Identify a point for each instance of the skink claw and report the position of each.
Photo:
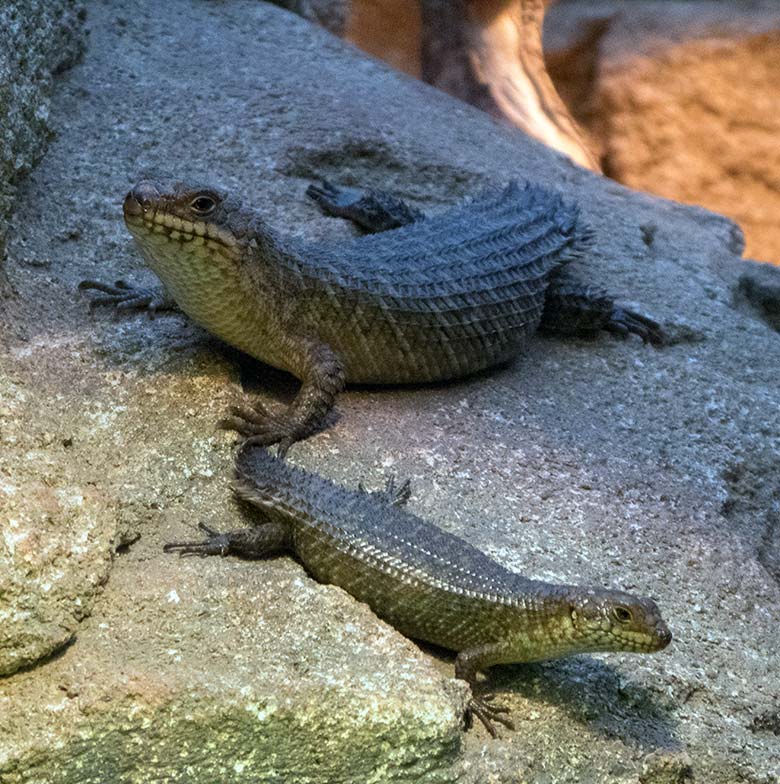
(394, 494)
(126, 297)
(215, 544)
(624, 322)
(488, 713)
(262, 426)
(397, 494)
(337, 201)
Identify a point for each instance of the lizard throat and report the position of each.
(200, 264)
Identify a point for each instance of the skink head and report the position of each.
(181, 225)
(163, 206)
(605, 620)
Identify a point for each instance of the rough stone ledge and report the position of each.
(38, 38)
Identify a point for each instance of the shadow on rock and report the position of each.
(595, 694)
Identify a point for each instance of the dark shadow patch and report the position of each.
(126, 541)
(758, 292)
(48, 658)
(769, 548)
(753, 506)
(256, 377)
(375, 164)
(769, 721)
(591, 692)
(486, 374)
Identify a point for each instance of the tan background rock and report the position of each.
(682, 99)
(387, 29)
(684, 103)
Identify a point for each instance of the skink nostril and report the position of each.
(146, 192)
(141, 197)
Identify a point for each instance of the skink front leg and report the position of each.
(467, 664)
(322, 376)
(125, 296)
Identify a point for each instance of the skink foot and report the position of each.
(123, 296)
(488, 713)
(373, 211)
(262, 426)
(215, 544)
(624, 322)
(394, 494)
(398, 494)
(333, 200)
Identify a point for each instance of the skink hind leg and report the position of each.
(372, 210)
(624, 322)
(575, 308)
(123, 296)
(323, 378)
(397, 494)
(393, 493)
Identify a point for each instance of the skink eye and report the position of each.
(622, 615)
(203, 204)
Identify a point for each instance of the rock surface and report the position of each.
(38, 38)
(759, 286)
(683, 102)
(44, 525)
(585, 461)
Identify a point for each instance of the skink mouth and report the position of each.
(141, 199)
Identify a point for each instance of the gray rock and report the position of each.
(38, 38)
(44, 522)
(586, 461)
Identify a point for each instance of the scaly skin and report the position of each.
(427, 583)
(436, 299)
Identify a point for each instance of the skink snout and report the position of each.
(141, 198)
(663, 635)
